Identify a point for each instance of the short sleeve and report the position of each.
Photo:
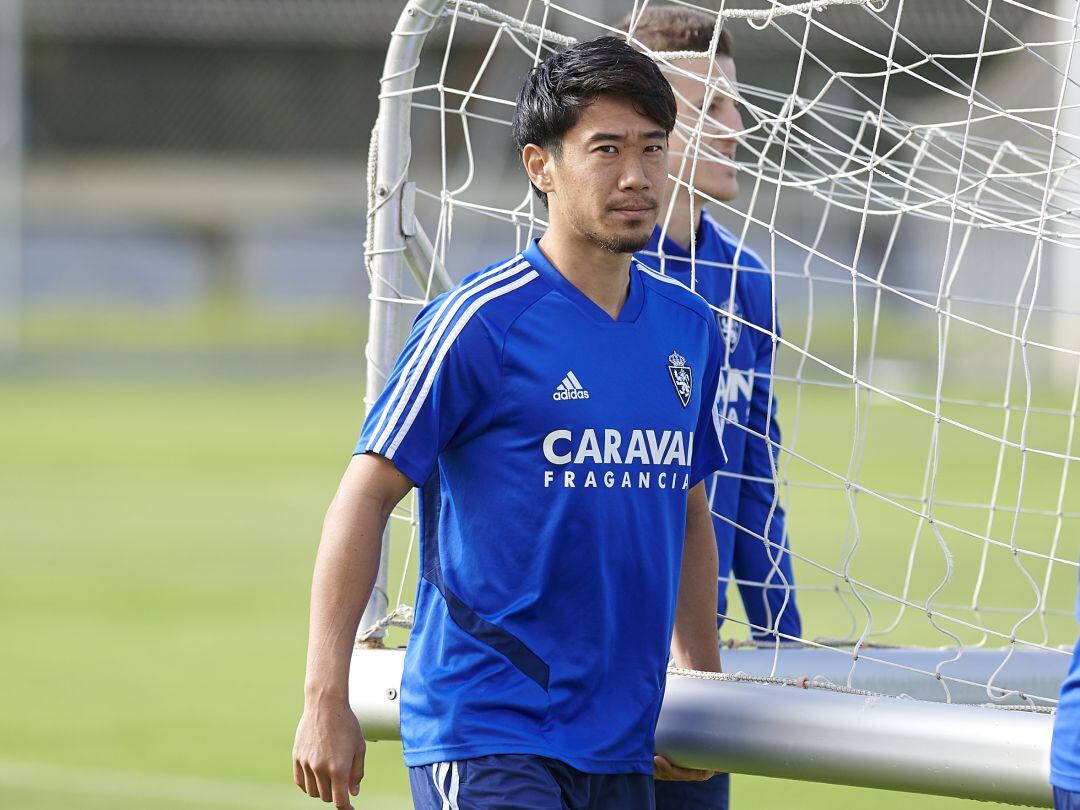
(442, 391)
(708, 455)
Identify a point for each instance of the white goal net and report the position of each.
(908, 176)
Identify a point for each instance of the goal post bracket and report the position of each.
(388, 241)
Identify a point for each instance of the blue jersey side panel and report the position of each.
(734, 280)
(554, 448)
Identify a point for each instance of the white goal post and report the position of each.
(917, 210)
(802, 731)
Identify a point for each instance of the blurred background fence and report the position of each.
(188, 177)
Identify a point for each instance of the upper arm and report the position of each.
(373, 480)
(699, 525)
(697, 503)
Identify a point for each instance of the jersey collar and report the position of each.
(630, 310)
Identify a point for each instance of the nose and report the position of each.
(633, 176)
(728, 122)
(735, 122)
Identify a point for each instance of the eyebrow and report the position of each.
(652, 134)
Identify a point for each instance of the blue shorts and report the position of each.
(711, 794)
(525, 782)
(1066, 799)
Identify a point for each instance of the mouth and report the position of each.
(634, 209)
(634, 215)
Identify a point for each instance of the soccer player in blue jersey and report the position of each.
(733, 279)
(558, 412)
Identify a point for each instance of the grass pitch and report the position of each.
(158, 543)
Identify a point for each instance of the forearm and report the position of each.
(346, 566)
(694, 643)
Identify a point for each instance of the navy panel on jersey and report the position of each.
(734, 280)
(554, 447)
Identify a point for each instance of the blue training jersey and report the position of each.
(734, 280)
(554, 448)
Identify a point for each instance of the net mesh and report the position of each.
(908, 177)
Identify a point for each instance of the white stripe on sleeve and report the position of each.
(431, 341)
(403, 431)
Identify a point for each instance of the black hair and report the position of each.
(559, 88)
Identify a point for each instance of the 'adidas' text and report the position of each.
(570, 388)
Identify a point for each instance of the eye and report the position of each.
(654, 148)
(608, 149)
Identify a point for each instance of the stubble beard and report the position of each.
(616, 243)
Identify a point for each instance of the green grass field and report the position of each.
(158, 543)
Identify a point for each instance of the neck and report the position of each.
(682, 213)
(603, 277)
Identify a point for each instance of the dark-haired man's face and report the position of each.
(607, 180)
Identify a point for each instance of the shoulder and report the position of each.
(484, 303)
(731, 244)
(755, 278)
(675, 291)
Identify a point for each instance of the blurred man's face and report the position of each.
(608, 177)
(714, 173)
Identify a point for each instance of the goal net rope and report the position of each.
(908, 177)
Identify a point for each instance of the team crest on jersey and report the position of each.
(730, 328)
(682, 377)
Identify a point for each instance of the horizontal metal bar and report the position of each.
(842, 738)
(808, 734)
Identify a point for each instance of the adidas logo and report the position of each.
(570, 388)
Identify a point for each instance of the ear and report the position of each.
(538, 163)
